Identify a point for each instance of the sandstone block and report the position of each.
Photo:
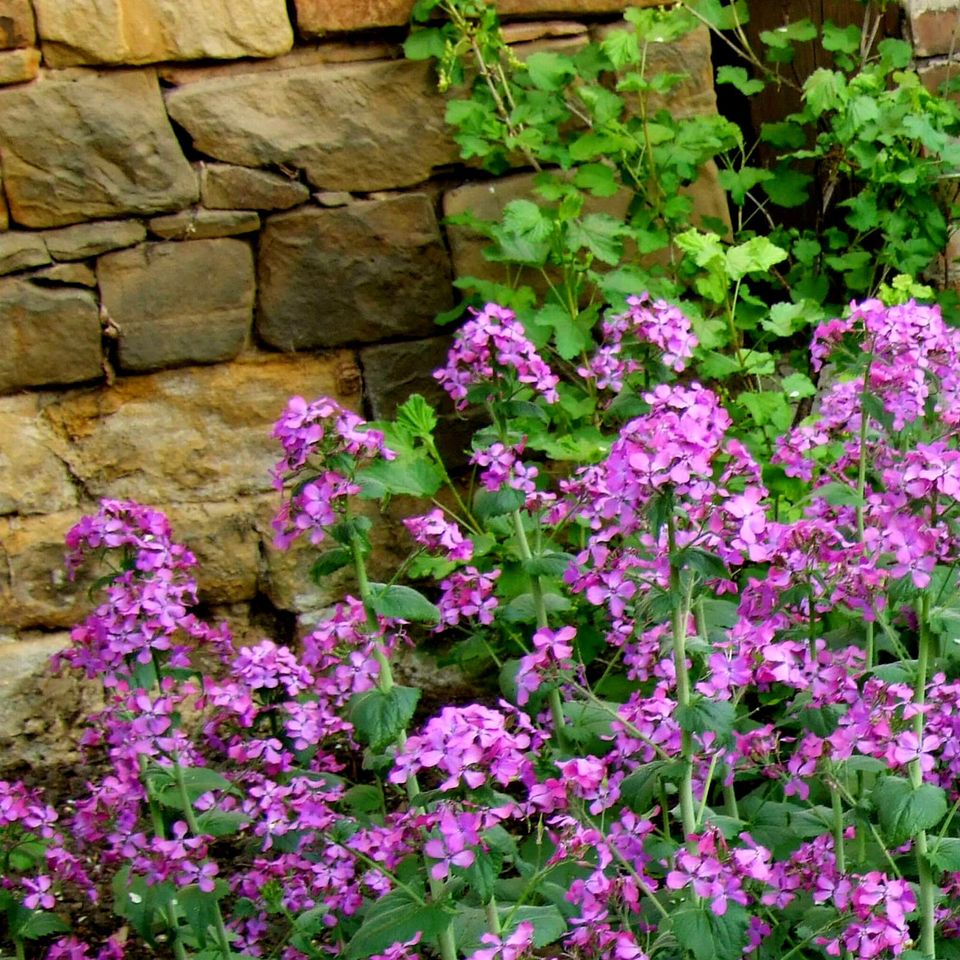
(317, 17)
(178, 303)
(89, 147)
(20, 251)
(351, 274)
(191, 435)
(934, 26)
(204, 224)
(224, 538)
(75, 274)
(16, 24)
(353, 126)
(148, 31)
(18, 66)
(530, 7)
(4, 213)
(34, 588)
(33, 479)
(225, 187)
(49, 335)
(91, 239)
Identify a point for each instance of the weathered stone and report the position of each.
(317, 17)
(308, 56)
(75, 274)
(539, 7)
(540, 30)
(41, 714)
(225, 187)
(91, 239)
(357, 126)
(353, 274)
(18, 66)
(90, 146)
(191, 435)
(4, 213)
(20, 251)
(16, 24)
(689, 57)
(34, 588)
(147, 31)
(49, 335)
(33, 479)
(487, 201)
(178, 303)
(934, 26)
(225, 541)
(333, 198)
(204, 224)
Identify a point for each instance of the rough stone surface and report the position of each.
(147, 31)
(91, 239)
(523, 32)
(317, 17)
(20, 251)
(225, 541)
(178, 303)
(934, 26)
(348, 126)
(4, 213)
(225, 187)
(191, 435)
(18, 66)
(16, 24)
(33, 479)
(90, 146)
(41, 714)
(539, 7)
(34, 589)
(329, 277)
(204, 224)
(75, 274)
(49, 335)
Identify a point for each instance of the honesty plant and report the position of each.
(725, 722)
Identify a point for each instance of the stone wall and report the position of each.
(207, 207)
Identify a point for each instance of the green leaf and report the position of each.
(424, 44)
(197, 781)
(600, 233)
(639, 790)
(221, 823)
(549, 71)
(417, 416)
(548, 923)
(599, 179)
(709, 936)
(548, 564)
(798, 385)
(523, 609)
(362, 798)
(906, 810)
(497, 503)
(378, 716)
(570, 335)
(737, 76)
(787, 187)
(329, 562)
(392, 919)
(841, 39)
(839, 495)
(739, 182)
(945, 854)
(824, 90)
(720, 15)
(411, 476)
(757, 255)
(797, 32)
(768, 407)
(524, 233)
(707, 716)
(200, 910)
(785, 319)
(37, 924)
(403, 603)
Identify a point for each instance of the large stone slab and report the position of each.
(226, 187)
(21, 251)
(317, 17)
(934, 26)
(16, 24)
(191, 435)
(90, 239)
(49, 335)
(88, 147)
(33, 479)
(353, 126)
(353, 274)
(178, 303)
(147, 31)
(204, 224)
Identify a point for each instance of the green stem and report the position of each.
(679, 618)
(838, 849)
(493, 917)
(927, 898)
(18, 947)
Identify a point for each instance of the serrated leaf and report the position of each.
(738, 77)
(395, 918)
(945, 854)
(362, 798)
(424, 44)
(221, 823)
(757, 255)
(787, 187)
(739, 182)
(37, 924)
(378, 716)
(798, 385)
(548, 564)
(197, 781)
(707, 716)
(549, 71)
(841, 39)
(597, 178)
(906, 810)
(330, 561)
(497, 503)
(403, 603)
(200, 910)
(824, 90)
(418, 416)
(709, 936)
(600, 233)
(839, 495)
(409, 476)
